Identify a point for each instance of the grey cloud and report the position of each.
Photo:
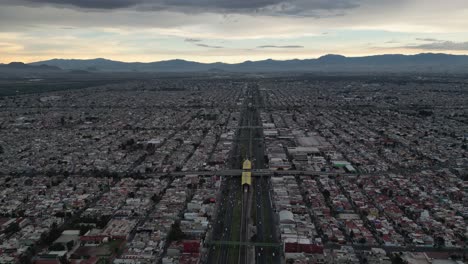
(192, 40)
(258, 5)
(209, 46)
(280, 47)
(24, 18)
(196, 42)
(441, 45)
(286, 7)
(428, 39)
(94, 4)
(219, 4)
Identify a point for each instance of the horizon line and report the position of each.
(243, 61)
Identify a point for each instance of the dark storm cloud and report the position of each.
(208, 46)
(159, 4)
(280, 5)
(221, 4)
(441, 45)
(280, 47)
(95, 4)
(288, 7)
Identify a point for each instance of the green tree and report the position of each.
(84, 229)
(176, 233)
(57, 247)
(70, 244)
(13, 228)
(396, 259)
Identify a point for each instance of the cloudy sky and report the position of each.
(228, 30)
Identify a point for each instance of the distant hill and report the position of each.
(21, 66)
(426, 62)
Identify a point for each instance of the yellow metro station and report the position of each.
(247, 174)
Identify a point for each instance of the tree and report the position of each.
(54, 233)
(57, 247)
(26, 257)
(64, 260)
(201, 181)
(176, 233)
(439, 241)
(13, 228)
(253, 238)
(84, 229)
(102, 222)
(396, 259)
(70, 244)
(155, 198)
(60, 214)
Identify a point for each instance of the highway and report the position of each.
(237, 211)
(246, 142)
(244, 254)
(232, 222)
(265, 220)
(222, 226)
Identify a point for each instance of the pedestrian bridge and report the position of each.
(238, 243)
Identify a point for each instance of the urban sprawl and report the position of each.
(343, 170)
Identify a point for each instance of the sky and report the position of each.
(228, 30)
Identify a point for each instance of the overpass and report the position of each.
(244, 243)
(255, 173)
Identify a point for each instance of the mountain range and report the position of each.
(425, 62)
(19, 66)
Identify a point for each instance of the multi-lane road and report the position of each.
(244, 206)
(244, 251)
(265, 220)
(232, 223)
